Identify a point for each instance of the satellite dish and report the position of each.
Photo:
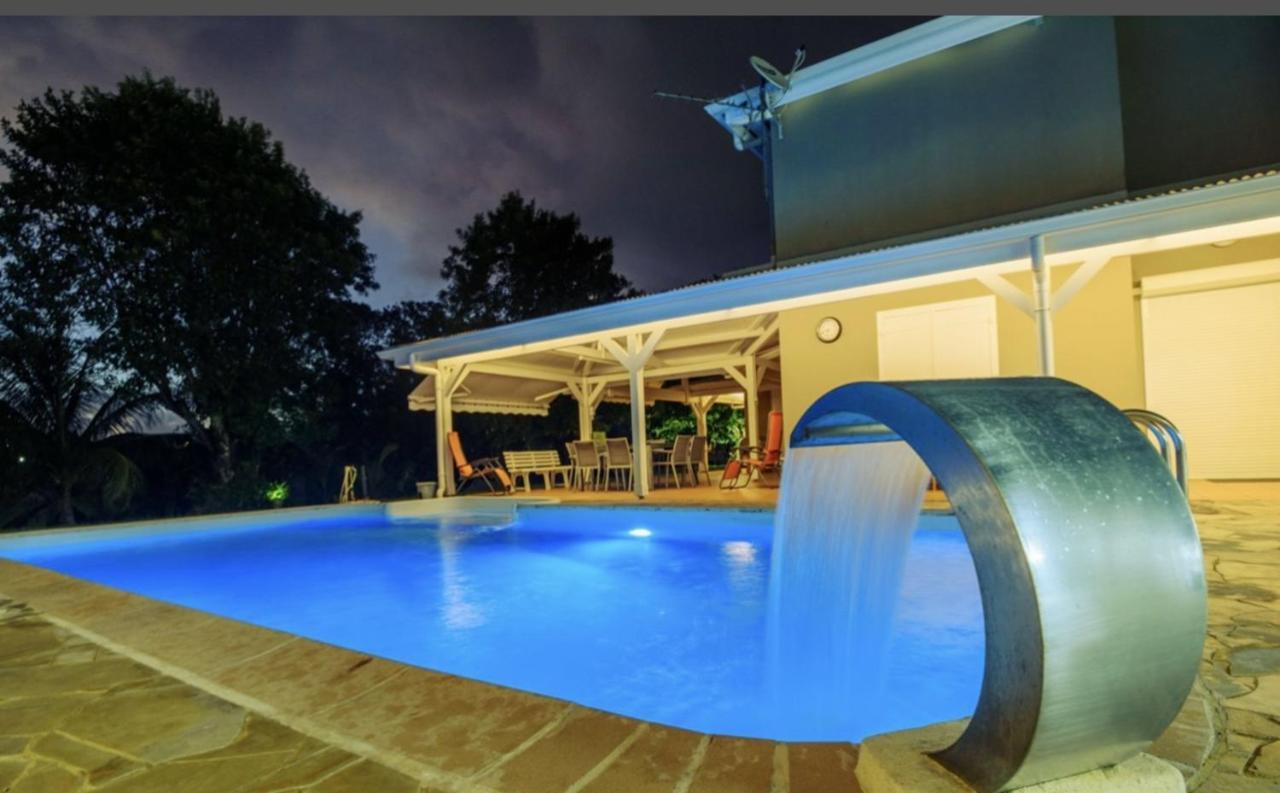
(770, 73)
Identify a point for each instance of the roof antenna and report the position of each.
(771, 77)
(765, 107)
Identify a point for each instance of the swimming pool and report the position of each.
(654, 613)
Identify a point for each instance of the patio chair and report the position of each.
(618, 458)
(587, 466)
(698, 459)
(485, 469)
(680, 457)
(766, 462)
(572, 449)
(732, 475)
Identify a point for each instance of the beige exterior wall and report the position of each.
(1254, 249)
(1097, 336)
(1094, 338)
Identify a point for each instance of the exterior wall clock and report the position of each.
(828, 329)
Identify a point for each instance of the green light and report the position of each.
(277, 492)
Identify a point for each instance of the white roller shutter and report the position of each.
(1211, 344)
(939, 340)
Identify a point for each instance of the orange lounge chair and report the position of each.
(484, 469)
(753, 460)
(731, 474)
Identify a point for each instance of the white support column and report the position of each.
(586, 417)
(586, 407)
(701, 406)
(1044, 302)
(752, 404)
(1043, 292)
(444, 463)
(444, 420)
(637, 353)
(595, 395)
(639, 434)
(448, 379)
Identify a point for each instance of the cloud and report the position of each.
(423, 122)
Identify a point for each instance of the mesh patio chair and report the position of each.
(679, 457)
(618, 458)
(572, 449)
(587, 468)
(698, 459)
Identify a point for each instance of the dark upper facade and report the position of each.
(1033, 119)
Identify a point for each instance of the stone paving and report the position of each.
(1242, 651)
(77, 717)
(103, 690)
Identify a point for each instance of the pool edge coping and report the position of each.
(77, 591)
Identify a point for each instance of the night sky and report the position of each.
(422, 122)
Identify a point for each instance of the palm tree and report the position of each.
(59, 407)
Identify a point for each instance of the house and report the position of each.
(1094, 198)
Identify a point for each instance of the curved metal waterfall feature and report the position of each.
(1090, 568)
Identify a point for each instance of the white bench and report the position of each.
(546, 463)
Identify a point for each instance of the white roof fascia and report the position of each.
(1131, 225)
(909, 45)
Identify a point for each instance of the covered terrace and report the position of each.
(733, 361)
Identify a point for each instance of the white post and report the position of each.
(585, 419)
(444, 466)
(448, 379)
(751, 404)
(700, 406)
(1043, 304)
(639, 434)
(444, 424)
(633, 359)
(586, 407)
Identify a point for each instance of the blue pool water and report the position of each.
(654, 613)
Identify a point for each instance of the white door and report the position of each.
(939, 340)
(1212, 360)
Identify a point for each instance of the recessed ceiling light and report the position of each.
(1224, 243)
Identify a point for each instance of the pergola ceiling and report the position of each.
(687, 362)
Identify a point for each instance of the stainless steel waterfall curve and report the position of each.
(1087, 557)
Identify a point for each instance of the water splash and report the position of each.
(841, 538)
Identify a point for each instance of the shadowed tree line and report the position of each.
(181, 321)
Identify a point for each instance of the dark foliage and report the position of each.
(222, 282)
(180, 322)
(518, 261)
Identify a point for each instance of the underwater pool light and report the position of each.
(640, 533)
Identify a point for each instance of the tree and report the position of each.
(59, 406)
(218, 275)
(517, 262)
(58, 421)
(514, 262)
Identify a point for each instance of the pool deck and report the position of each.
(760, 497)
(104, 690)
(752, 497)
